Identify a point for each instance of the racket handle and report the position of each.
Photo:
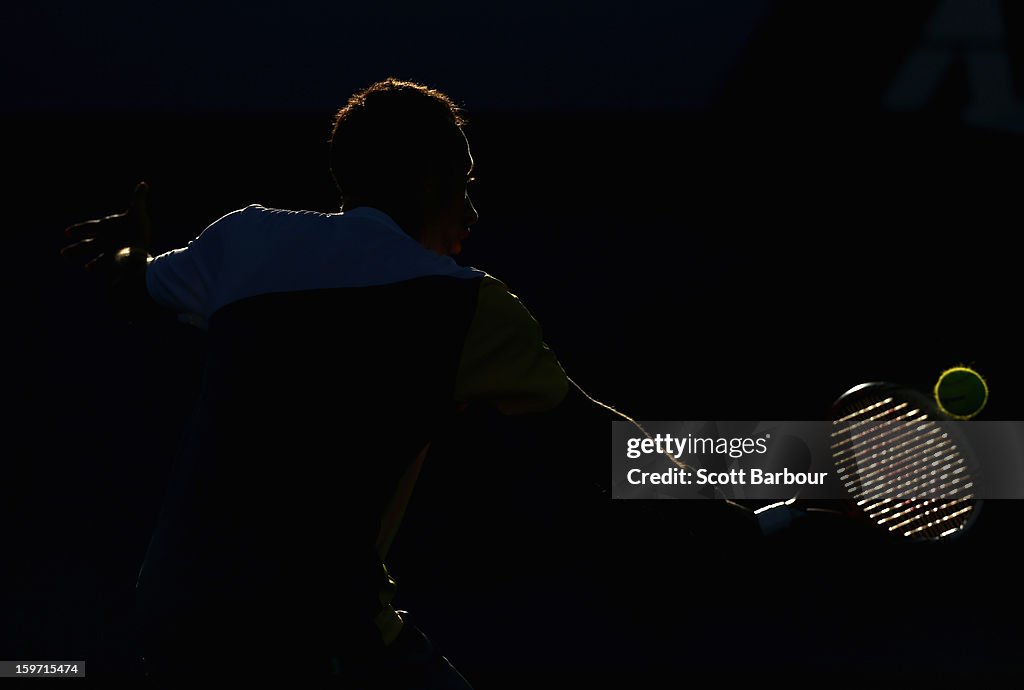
(774, 520)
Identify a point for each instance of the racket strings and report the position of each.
(902, 469)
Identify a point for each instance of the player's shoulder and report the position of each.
(495, 288)
(255, 217)
(239, 216)
(496, 301)
(259, 211)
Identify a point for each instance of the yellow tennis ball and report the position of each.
(961, 392)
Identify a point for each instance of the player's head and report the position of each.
(398, 146)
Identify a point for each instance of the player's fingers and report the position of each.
(138, 204)
(96, 262)
(79, 230)
(141, 231)
(76, 249)
(108, 231)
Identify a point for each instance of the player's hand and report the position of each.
(96, 242)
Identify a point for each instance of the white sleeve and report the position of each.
(185, 279)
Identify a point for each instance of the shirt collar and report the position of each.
(377, 216)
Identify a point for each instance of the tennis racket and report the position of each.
(908, 472)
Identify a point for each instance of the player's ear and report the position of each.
(417, 194)
(429, 192)
(426, 185)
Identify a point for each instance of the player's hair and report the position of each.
(388, 135)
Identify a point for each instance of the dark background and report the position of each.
(715, 210)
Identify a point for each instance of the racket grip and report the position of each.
(777, 519)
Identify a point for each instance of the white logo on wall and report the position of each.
(971, 32)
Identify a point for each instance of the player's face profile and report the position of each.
(457, 212)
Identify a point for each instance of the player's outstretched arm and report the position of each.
(583, 422)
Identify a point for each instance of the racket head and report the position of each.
(907, 469)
